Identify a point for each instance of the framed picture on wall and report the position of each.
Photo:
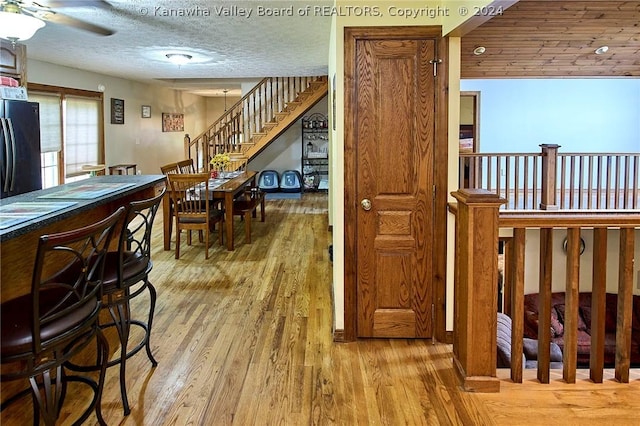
(146, 111)
(172, 122)
(117, 111)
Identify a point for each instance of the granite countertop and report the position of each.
(130, 183)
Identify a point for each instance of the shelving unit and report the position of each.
(315, 152)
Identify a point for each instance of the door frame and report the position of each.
(351, 35)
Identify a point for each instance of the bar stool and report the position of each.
(126, 276)
(42, 330)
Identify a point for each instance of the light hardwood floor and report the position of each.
(245, 338)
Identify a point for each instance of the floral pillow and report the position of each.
(557, 329)
(560, 308)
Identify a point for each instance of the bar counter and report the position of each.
(18, 243)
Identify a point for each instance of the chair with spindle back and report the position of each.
(237, 162)
(193, 209)
(186, 166)
(43, 330)
(167, 169)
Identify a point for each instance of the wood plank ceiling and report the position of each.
(556, 38)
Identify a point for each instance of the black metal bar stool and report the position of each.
(126, 276)
(43, 330)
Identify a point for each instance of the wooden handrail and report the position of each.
(471, 291)
(570, 218)
(553, 180)
(244, 123)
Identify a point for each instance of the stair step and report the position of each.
(290, 111)
(291, 106)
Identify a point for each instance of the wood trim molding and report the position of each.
(66, 91)
(441, 152)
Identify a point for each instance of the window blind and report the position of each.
(50, 121)
(81, 134)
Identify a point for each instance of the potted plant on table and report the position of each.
(220, 162)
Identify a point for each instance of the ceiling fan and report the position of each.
(20, 19)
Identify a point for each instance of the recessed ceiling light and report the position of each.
(479, 50)
(602, 49)
(179, 58)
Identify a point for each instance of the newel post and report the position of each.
(187, 146)
(549, 177)
(476, 289)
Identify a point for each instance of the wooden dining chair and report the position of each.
(238, 162)
(245, 206)
(193, 209)
(186, 166)
(167, 169)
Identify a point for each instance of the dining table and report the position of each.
(226, 188)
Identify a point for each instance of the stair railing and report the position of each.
(244, 123)
(550, 180)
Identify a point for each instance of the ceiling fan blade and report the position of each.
(75, 3)
(59, 18)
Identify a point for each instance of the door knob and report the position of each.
(366, 204)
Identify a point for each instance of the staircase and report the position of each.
(257, 119)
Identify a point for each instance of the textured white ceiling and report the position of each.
(224, 44)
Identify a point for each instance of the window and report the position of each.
(50, 136)
(81, 142)
(71, 123)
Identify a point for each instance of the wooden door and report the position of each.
(394, 131)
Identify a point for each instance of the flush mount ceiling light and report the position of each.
(479, 50)
(15, 25)
(179, 58)
(602, 49)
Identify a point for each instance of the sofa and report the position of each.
(529, 348)
(584, 325)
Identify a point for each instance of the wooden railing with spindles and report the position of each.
(550, 180)
(244, 123)
(477, 223)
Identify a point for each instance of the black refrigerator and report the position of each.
(19, 147)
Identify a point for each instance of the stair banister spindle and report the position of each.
(598, 304)
(590, 183)
(581, 174)
(617, 185)
(625, 304)
(635, 179)
(607, 201)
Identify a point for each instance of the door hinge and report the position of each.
(434, 193)
(435, 63)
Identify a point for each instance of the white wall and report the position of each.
(580, 115)
(285, 153)
(215, 107)
(139, 140)
(559, 267)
